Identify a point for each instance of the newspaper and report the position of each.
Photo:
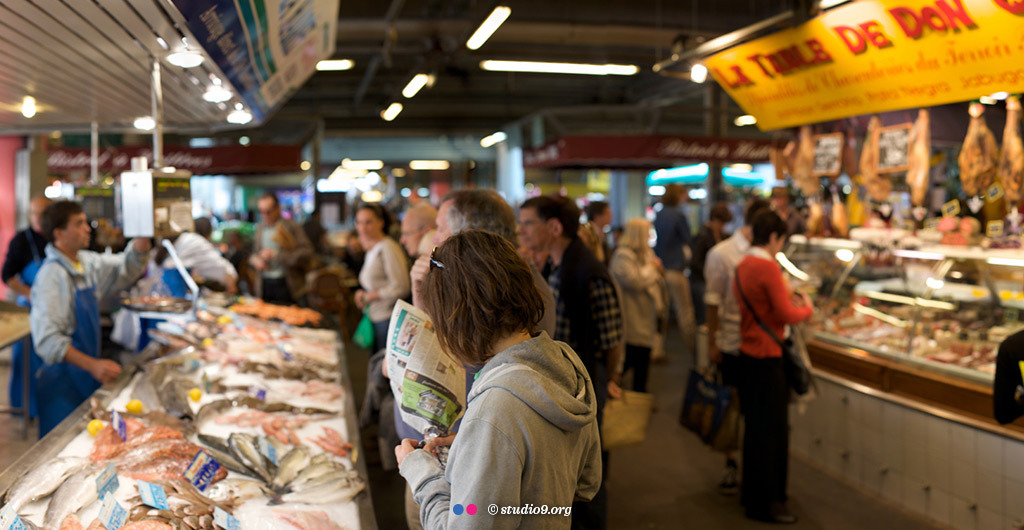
(428, 384)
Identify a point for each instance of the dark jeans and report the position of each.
(639, 359)
(275, 291)
(697, 290)
(764, 399)
(380, 335)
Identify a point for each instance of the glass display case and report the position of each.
(938, 308)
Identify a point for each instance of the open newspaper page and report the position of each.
(428, 384)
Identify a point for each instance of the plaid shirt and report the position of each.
(604, 311)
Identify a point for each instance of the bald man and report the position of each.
(25, 256)
(418, 228)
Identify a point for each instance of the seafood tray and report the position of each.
(158, 304)
(280, 424)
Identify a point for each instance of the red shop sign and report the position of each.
(644, 151)
(234, 159)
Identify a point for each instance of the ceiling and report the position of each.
(390, 42)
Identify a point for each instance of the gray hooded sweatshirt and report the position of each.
(529, 439)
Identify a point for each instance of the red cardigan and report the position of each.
(766, 290)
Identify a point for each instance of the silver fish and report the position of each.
(75, 493)
(227, 460)
(211, 410)
(334, 477)
(290, 465)
(328, 493)
(43, 480)
(235, 490)
(244, 448)
(174, 394)
(314, 470)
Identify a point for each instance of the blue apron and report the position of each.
(67, 386)
(15, 387)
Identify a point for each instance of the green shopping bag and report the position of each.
(364, 332)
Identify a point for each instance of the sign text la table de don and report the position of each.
(877, 55)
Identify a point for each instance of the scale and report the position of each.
(156, 202)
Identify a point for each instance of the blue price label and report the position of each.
(107, 481)
(258, 393)
(152, 495)
(112, 515)
(202, 469)
(119, 425)
(9, 520)
(190, 365)
(224, 519)
(268, 450)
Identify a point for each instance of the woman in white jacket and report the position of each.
(641, 285)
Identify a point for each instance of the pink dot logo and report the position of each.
(471, 509)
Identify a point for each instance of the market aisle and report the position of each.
(12, 446)
(671, 477)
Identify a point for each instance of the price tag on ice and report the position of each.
(119, 425)
(202, 469)
(152, 495)
(190, 365)
(994, 229)
(112, 514)
(225, 520)
(258, 393)
(268, 450)
(994, 193)
(951, 208)
(10, 520)
(107, 481)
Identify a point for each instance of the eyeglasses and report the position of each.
(434, 264)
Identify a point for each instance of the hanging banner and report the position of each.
(266, 49)
(877, 55)
(222, 160)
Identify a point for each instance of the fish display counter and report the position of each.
(226, 420)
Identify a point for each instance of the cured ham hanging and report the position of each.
(919, 158)
(979, 157)
(878, 186)
(1011, 160)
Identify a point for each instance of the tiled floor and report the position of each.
(667, 482)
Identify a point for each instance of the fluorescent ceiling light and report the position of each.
(372, 196)
(417, 82)
(391, 112)
(698, 73)
(217, 94)
(368, 165)
(144, 123)
(489, 26)
(28, 107)
(239, 117)
(744, 120)
(334, 65)
(428, 165)
(559, 68)
(398, 172)
(495, 138)
(185, 59)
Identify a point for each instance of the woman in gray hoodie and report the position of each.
(529, 445)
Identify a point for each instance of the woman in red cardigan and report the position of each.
(764, 394)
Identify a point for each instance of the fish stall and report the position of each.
(233, 417)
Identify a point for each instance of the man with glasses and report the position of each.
(280, 252)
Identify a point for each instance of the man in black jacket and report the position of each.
(587, 315)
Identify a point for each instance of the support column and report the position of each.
(511, 173)
(627, 196)
(158, 116)
(713, 128)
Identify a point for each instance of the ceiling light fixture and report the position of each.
(144, 123)
(559, 68)
(698, 73)
(305, 165)
(398, 172)
(744, 120)
(334, 65)
(217, 94)
(495, 138)
(244, 140)
(417, 82)
(391, 112)
(429, 165)
(185, 59)
(367, 165)
(488, 27)
(239, 117)
(28, 107)
(372, 196)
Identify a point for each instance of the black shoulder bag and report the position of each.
(797, 376)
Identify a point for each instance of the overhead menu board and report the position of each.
(893, 148)
(828, 154)
(266, 49)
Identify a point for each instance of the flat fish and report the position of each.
(76, 492)
(43, 481)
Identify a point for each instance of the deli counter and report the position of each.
(923, 323)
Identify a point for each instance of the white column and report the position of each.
(509, 165)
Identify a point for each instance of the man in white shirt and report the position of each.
(723, 313)
(202, 259)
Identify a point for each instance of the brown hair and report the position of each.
(478, 291)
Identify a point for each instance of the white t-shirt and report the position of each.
(385, 271)
(719, 273)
